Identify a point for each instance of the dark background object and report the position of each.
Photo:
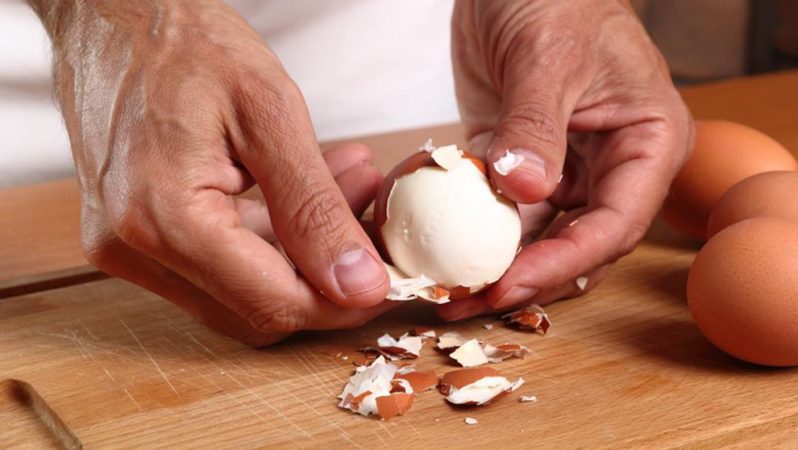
(705, 40)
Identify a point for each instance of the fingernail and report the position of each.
(516, 294)
(521, 159)
(356, 271)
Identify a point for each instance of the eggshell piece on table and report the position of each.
(476, 386)
(769, 194)
(742, 291)
(420, 381)
(390, 406)
(724, 154)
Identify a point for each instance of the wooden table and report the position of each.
(623, 366)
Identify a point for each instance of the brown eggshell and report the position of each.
(463, 377)
(420, 381)
(408, 166)
(742, 290)
(390, 406)
(769, 194)
(724, 154)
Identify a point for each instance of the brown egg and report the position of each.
(724, 154)
(743, 291)
(769, 194)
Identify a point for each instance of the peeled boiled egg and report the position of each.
(769, 194)
(742, 290)
(724, 154)
(439, 219)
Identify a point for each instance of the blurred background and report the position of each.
(407, 51)
(705, 40)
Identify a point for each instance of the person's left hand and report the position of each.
(582, 94)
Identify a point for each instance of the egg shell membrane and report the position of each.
(463, 377)
(408, 166)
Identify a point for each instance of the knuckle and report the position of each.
(97, 242)
(278, 318)
(318, 213)
(126, 223)
(635, 232)
(98, 251)
(272, 101)
(537, 119)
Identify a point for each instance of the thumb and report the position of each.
(527, 153)
(309, 213)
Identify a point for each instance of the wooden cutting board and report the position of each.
(107, 364)
(622, 366)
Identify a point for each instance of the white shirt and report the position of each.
(364, 67)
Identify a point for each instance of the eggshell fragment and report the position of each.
(507, 163)
(404, 288)
(450, 341)
(390, 406)
(361, 391)
(406, 347)
(448, 157)
(476, 386)
(463, 377)
(502, 352)
(532, 318)
(470, 354)
(423, 332)
(420, 381)
(470, 421)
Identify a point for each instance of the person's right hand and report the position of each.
(174, 108)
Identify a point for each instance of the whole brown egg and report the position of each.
(742, 290)
(724, 154)
(769, 194)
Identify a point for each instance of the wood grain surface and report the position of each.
(622, 366)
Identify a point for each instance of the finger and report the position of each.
(119, 260)
(529, 145)
(631, 179)
(202, 240)
(342, 157)
(309, 214)
(535, 218)
(359, 185)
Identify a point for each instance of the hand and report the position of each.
(578, 90)
(175, 108)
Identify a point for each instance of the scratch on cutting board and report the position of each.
(335, 425)
(84, 350)
(254, 394)
(86, 329)
(133, 400)
(154, 362)
(307, 365)
(255, 412)
(191, 336)
(109, 375)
